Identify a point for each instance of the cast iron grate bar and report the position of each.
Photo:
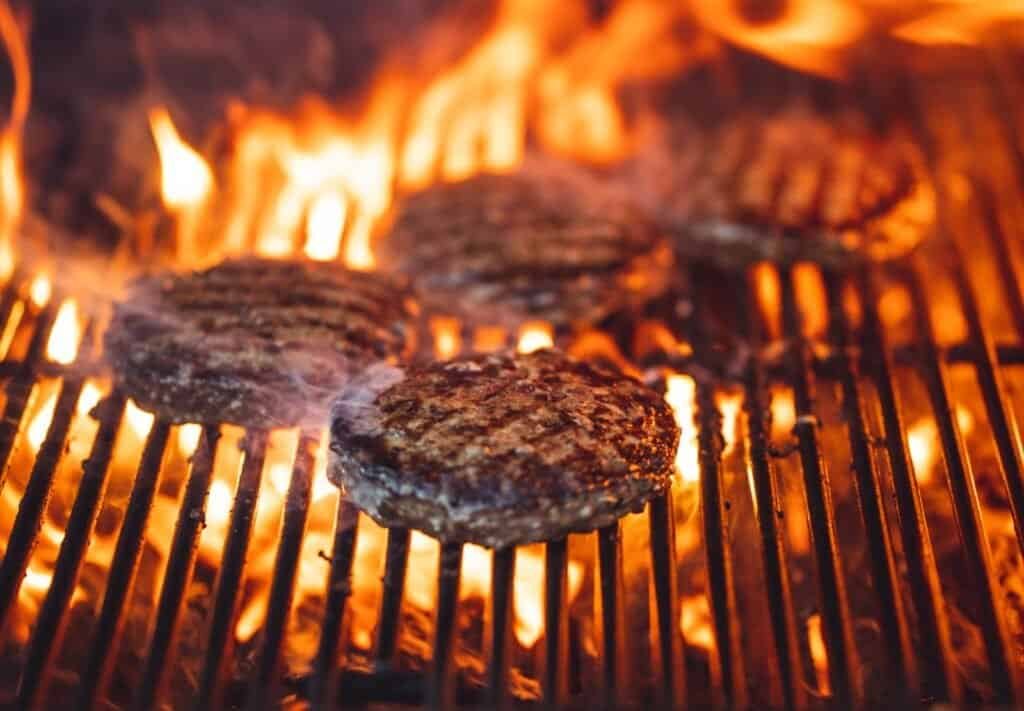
(837, 626)
(123, 566)
(892, 616)
(229, 577)
(503, 568)
(29, 519)
(179, 569)
(339, 588)
(556, 624)
(939, 679)
(48, 629)
(612, 603)
(666, 597)
(966, 505)
(770, 512)
(396, 561)
(279, 602)
(441, 674)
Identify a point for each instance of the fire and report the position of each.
(324, 226)
(959, 22)
(40, 424)
(139, 421)
(39, 291)
(447, 341)
(62, 346)
(185, 178)
(681, 394)
(819, 654)
(12, 191)
(923, 442)
(695, 622)
(188, 438)
(535, 336)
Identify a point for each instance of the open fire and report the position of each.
(321, 182)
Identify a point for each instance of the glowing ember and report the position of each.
(40, 289)
(535, 336)
(324, 226)
(819, 655)
(185, 178)
(66, 334)
(680, 394)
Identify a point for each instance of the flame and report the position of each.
(819, 655)
(809, 35)
(139, 421)
(40, 424)
(695, 622)
(62, 346)
(681, 394)
(12, 191)
(89, 398)
(39, 291)
(324, 226)
(962, 22)
(535, 336)
(729, 404)
(447, 339)
(188, 438)
(924, 446)
(185, 178)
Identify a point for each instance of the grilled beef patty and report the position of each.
(794, 185)
(501, 449)
(504, 249)
(254, 342)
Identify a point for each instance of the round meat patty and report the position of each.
(789, 186)
(501, 449)
(500, 250)
(254, 342)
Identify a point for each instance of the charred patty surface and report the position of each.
(501, 449)
(254, 342)
(505, 249)
(792, 185)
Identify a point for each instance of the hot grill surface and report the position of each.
(871, 608)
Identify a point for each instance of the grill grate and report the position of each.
(863, 363)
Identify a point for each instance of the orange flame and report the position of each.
(535, 336)
(959, 22)
(39, 291)
(12, 192)
(681, 395)
(185, 178)
(819, 654)
(62, 346)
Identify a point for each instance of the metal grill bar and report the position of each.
(229, 578)
(939, 679)
(893, 621)
(842, 654)
(556, 624)
(28, 520)
(123, 566)
(965, 504)
(179, 569)
(396, 561)
(279, 602)
(721, 584)
(501, 616)
(613, 659)
(441, 679)
(666, 594)
(339, 587)
(998, 239)
(72, 550)
(770, 513)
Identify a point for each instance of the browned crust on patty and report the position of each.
(501, 449)
(255, 342)
(788, 186)
(504, 249)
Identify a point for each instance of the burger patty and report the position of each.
(794, 185)
(504, 249)
(254, 342)
(501, 449)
